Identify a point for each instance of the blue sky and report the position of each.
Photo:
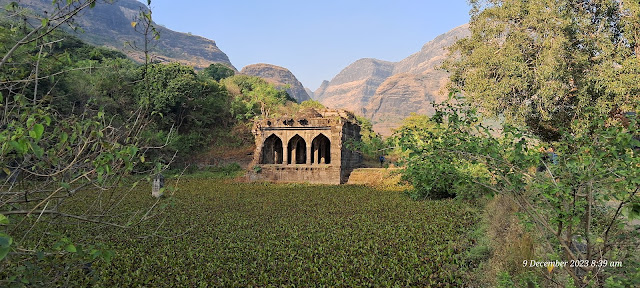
(313, 39)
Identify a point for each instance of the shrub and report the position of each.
(569, 201)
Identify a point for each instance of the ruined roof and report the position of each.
(310, 117)
(307, 113)
(338, 112)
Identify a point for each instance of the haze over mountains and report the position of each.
(387, 92)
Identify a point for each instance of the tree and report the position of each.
(183, 106)
(582, 199)
(567, 70)
(49, 154)
(254, 97)
(218, 71)
(428, 165)
(543, 63)
(144, 26)
(371, 144)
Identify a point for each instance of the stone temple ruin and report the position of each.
(308, 147)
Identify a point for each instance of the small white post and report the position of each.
(158, 184)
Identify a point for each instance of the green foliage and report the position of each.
(544, 57)
(218, 71)
(184, 107)
(429, 167)
(56, 142)
(5, 242)
(311, 104)
(570, 201)
(254, 97)
(256, 234)
(568, 71)
(505, 281)
(171, 84)
(371, 144)
(71, 260)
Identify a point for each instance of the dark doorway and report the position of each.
(297, 150)
(272, 150)
(321, 150)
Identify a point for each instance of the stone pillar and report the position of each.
(309, 153)
(294, 151)
(322, 153)
(285, 151)
(314, 155)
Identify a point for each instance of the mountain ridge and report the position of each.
(386, 97)
(355, 84)
(109, 25)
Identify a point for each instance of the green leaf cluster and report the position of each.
(371, 144)
(218, 71)
(543, 63)
(583, 189)
(254, 97)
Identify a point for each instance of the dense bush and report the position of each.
(584, 193)
(428, 165)
(253, 96)
(218, 71)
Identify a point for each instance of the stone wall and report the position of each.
(350, 159)
(308, 147)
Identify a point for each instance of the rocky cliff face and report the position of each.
(352, 88)
(309, 92)
(280, 77)
(387, 92)
(402, 94)
(320, 91)
(110, 25)
(432, 53)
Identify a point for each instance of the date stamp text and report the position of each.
(573, 263)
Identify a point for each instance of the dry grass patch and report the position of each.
(510, 242)
(381, 178)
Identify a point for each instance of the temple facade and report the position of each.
(308, 147)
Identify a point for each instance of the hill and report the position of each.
(280, 77)
(109, 25)
(387, 92)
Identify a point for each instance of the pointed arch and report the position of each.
(321, 150)
(272, 150)
(297, 150)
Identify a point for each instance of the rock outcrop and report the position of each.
(320, 91)
(279, 76)
(352, 88)
(309, 92)
(109, 25)
(387, 92)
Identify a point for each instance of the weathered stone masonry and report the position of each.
(309, 147)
